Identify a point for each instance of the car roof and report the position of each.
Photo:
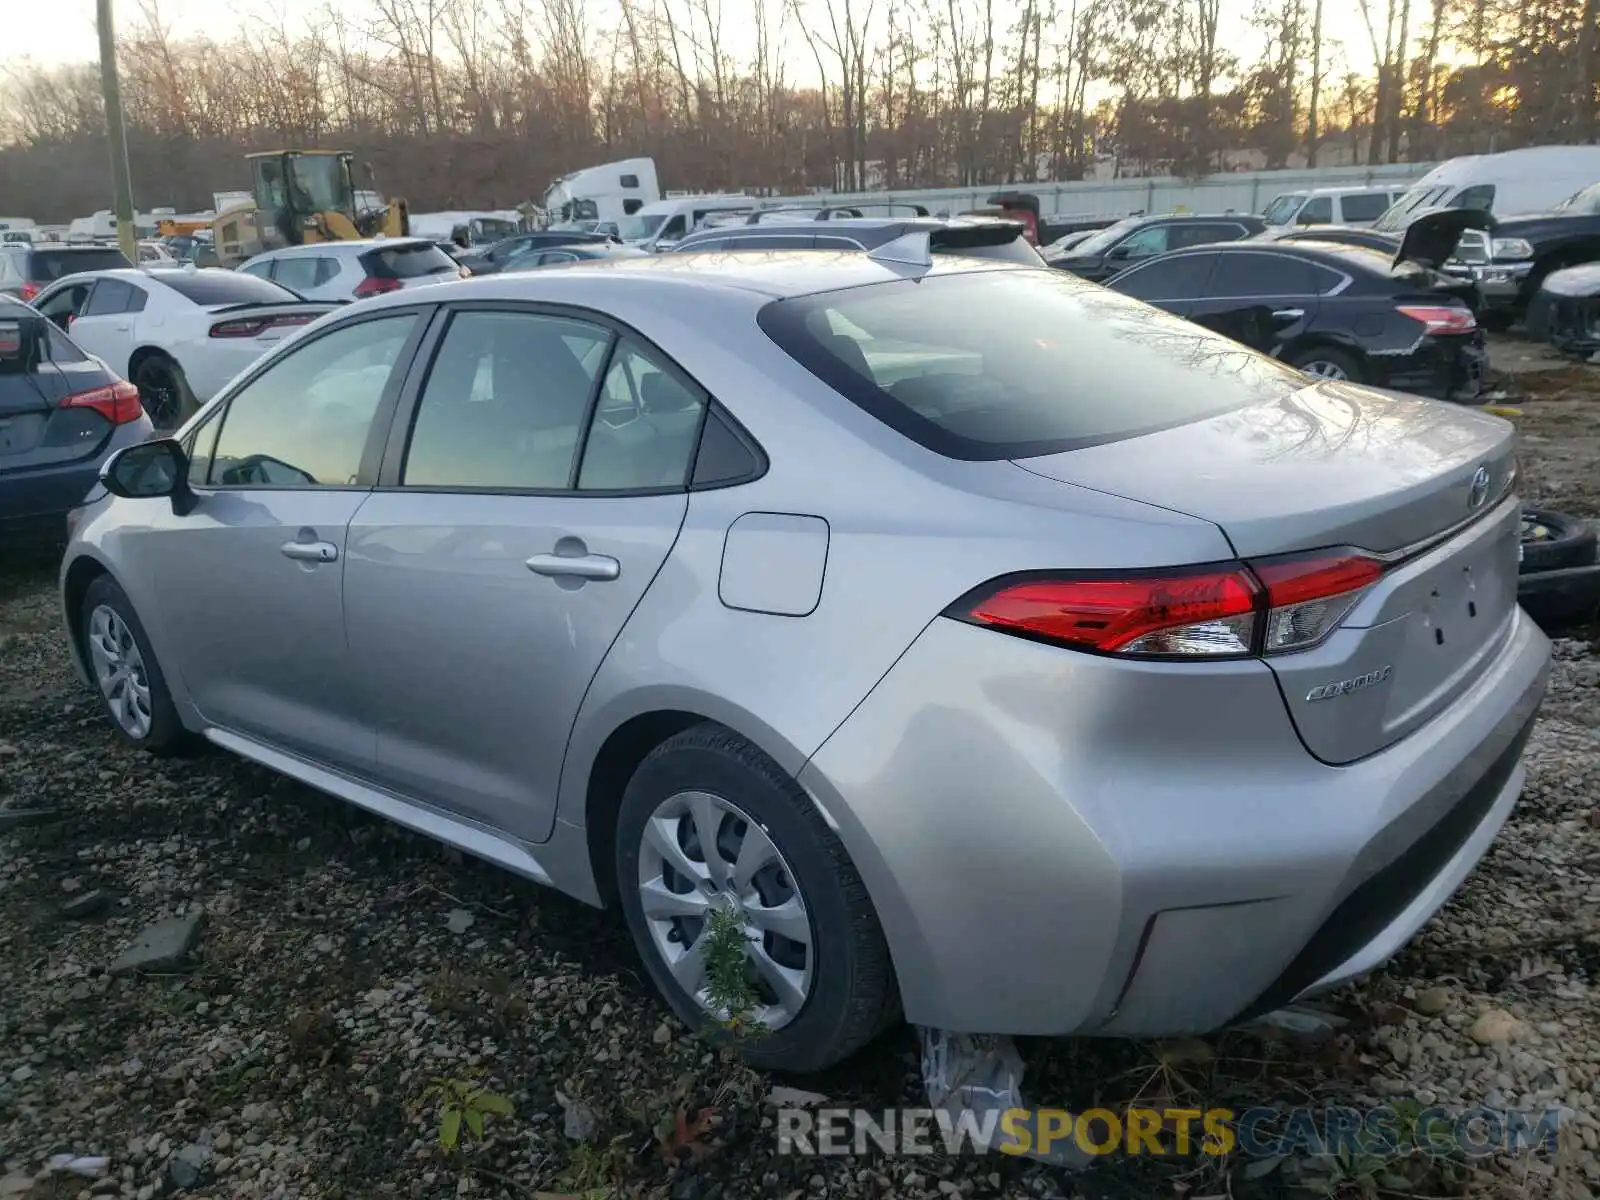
(902, 224)
(351, 246)
(1339, 255)
(774, 274)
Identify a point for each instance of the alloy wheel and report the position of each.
(701, 853)
(120, 672)
(158, 393)
(1322, 369)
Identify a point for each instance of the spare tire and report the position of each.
(1553, 541)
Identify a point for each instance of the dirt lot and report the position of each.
(342, 965)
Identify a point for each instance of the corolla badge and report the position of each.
(1479, 491)
(1327, 691)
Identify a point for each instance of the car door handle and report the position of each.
(1288, 314)
(575, 566)
(321, 552)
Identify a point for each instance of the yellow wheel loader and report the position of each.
(301, 196)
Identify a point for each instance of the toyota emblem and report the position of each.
(1479, 491)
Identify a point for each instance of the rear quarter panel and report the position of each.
(908, 534)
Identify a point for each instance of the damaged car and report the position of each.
(1565, 311)
(1334, 310)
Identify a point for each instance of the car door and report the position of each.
(104, 325)
(250, 580)
(1171, 282)
(510, 538)
(1260, 298)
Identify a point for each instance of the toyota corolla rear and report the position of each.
(1109, 792)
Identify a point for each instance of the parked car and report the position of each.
(834, 618)
(565, 255)
(1565, 311)
(1333, 311)
(1330, 206)
(61, 413)
(1110, 250)
(976, 237)
(1510, 263)
(354, 270)
(25, 269)
(490, 260)
(179, 333)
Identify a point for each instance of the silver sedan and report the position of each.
(882, 634)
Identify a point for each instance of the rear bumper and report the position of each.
(1061, 844)
(34, 503)
(1443, 368)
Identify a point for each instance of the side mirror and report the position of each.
(146, 470)
(1118, 253)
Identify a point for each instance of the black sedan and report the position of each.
(1106, 251)
(557, 255)
(1335, 311)
(491, 260)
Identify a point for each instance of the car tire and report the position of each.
(1571, 542)
(708, 777)
(1324, 362)
(164, 391)
(117, 652)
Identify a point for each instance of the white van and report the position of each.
(1509, 184)
(659, 227)
(1330, 206)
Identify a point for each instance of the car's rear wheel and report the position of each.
(124, 668)
(710, 824)
(1324, 362)
(164, 392)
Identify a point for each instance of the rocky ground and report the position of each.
(339, 978)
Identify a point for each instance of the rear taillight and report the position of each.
(1220, 611)
(29, 291)
(374, 286)
(1307, 597)
(249, 327)
(1440, 318)
(118, 403)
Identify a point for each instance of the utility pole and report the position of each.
(116, 134)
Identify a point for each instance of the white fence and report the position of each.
(1240, 191)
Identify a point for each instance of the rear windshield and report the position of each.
(216, 286)
(46, 266)
(408, 261)
(1009, 364)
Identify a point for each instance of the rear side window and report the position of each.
(1182, 236)
(300, 274)
(47, 265)
(1363, 208)
(216, 287)
(1009, 364)
(111, 296)
(1241, 275)
(407, 261)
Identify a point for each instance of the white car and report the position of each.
(177, 333)
(355, 270)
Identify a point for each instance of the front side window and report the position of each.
(645, 427)
(1479, 196)
(1181, 277)
(1152, 239)
(505, 403)
(261, 268)
(1318, 211)
(1010, 364)
(304, 421)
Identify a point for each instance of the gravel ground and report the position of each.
(343, 964)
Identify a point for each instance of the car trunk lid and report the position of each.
(1329, 466)
(264, 325)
